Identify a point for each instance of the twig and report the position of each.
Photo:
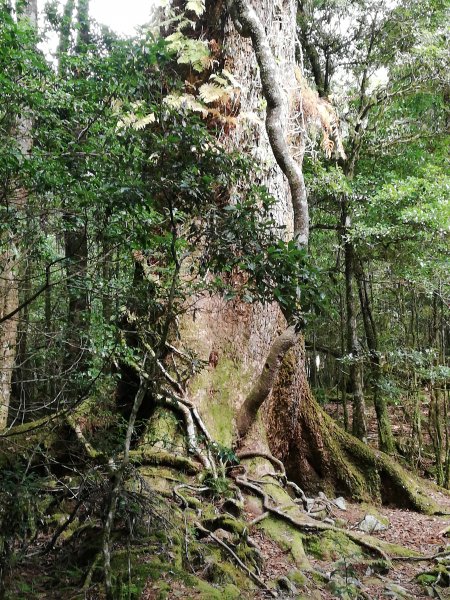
(90, 573)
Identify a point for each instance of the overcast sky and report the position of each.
(121, 15)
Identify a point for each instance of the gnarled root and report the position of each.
(307, 525)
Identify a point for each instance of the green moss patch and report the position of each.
(288, 538)
(332, 545)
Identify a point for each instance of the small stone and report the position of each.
(370, 524)
(340, 503)
(329, 521)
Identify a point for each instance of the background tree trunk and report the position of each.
(10, 253)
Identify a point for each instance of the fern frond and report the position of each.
(141, 123)
(327, 144)
(211, 92)
(196, 6)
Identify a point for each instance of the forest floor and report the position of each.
(417, 533)
(333, 567)
(424, 535)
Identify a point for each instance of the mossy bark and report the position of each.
(319, 455)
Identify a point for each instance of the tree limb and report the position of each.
(249, 25)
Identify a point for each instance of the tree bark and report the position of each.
(359, 428)
(10, 256)
(265, 382)
(385, 438)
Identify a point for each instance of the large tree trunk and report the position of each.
(251, 375)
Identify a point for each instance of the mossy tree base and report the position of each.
(320, 456)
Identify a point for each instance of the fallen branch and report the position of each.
(422, 558)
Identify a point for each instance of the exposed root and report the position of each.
(319, 455)
(177, 494)
(275, 462)
(315, 527)
(176, 400)
(191, 432)
(166, 459)
(298, 492)
(422, 558)
(264, 384)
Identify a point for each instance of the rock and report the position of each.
(285, 585)
(393, 590)
(225, 536)
(310, 502)
(322, 496)
(354, 581)
(329, 521)
(370, 524)
(340, 503)
(342, 588)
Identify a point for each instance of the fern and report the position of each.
(210, 92)
(186, 101)
(220, 89)
(143, 122)
(196, 6)
(193, 52)
(327, 144)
